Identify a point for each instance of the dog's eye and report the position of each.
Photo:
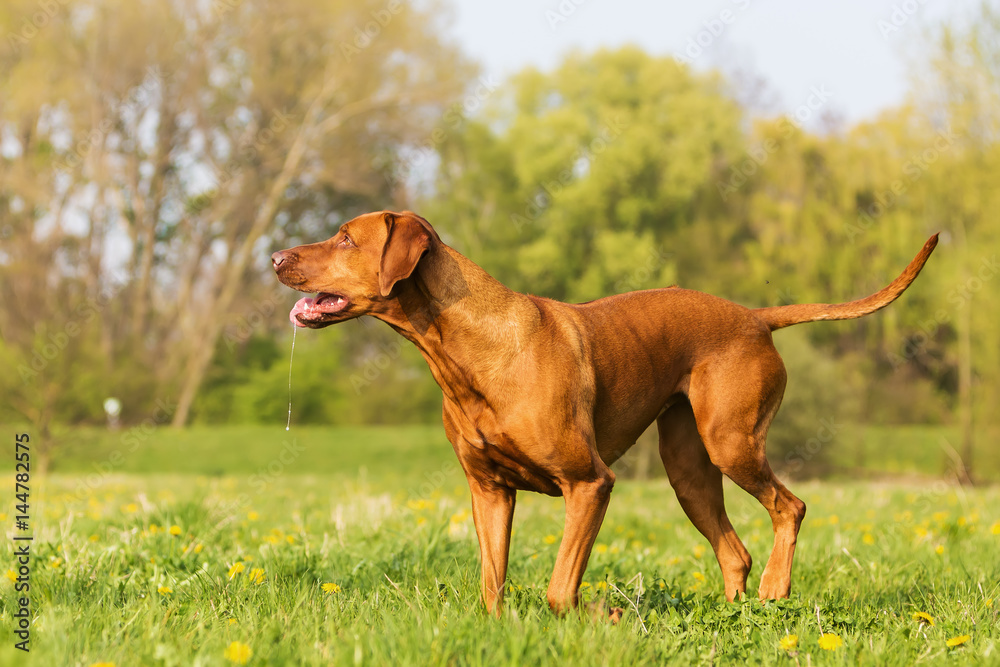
(346, 242)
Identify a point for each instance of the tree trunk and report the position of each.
(313, 127)
(964, 325)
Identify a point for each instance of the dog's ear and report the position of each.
(406, 241)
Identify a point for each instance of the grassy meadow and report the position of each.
(356, 546)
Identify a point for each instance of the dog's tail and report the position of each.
(778, 317)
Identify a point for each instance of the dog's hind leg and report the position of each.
(698, 485)
(734, 401)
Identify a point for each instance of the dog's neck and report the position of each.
(450, 298)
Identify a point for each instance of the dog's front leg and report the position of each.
(586, 503)
(492, 510)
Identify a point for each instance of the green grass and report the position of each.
(383, 513)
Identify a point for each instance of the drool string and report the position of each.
(291, 356)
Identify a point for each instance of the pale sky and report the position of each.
(796, 45)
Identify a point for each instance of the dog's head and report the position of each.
(355, 271)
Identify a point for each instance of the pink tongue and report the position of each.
(302, 306)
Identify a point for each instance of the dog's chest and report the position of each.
(492, 456)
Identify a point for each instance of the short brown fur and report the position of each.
(544, 396)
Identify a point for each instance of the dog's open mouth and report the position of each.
(308, 311)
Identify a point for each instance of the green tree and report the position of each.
(587, 180)
(154, 153)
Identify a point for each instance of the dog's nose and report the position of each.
(277, 258)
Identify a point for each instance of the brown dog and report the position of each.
(544, 396)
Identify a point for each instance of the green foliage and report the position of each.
(576, 191)
(356, 373)
(821, 399)
(616, 171)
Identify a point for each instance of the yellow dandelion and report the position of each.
(550, 539)
(198, 548)
(103, 664)
(995, 528)
(257, 575)
(93, 538)
(940, 517)
(3, 516)
(923, 617)
(698, 575)
(153, 529)
(247, 559)
(699, 550)
(939, 549)
(175, 530)
(601, 548)
(420, 504)
(957, 641)
(989, 603)
(238, 653)
(131, 508)
(834, 519)
(330, 588)
(56, 563)
(602, 585)
(253, 516)
(584, 584)
(830, 642)
(236, 569)
(788, 642)
(11, 574)
(271, 539)
(164, 590)
(290, 539)
(663, 584)
(868, 539)
(232, 621)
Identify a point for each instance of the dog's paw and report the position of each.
(601, 612)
